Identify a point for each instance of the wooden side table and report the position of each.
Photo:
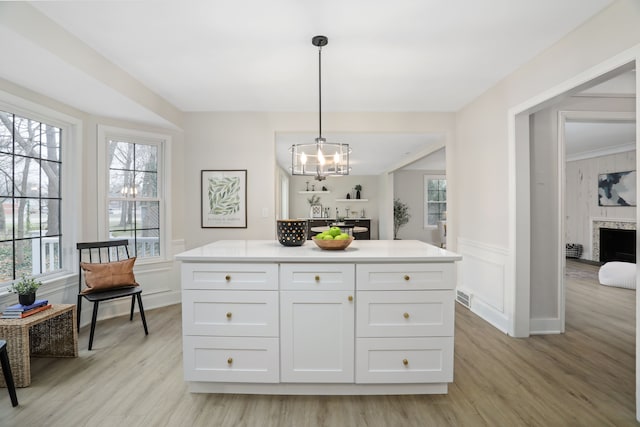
(49, 333)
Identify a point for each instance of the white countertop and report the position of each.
(383, 251)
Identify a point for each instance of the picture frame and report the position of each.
(617, 189)
(223, 198)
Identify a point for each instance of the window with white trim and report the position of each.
(30, 197)
(435, 199)
(135, 199)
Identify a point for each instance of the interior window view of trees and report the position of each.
(134, 202)
(436, 201)
(30, 167)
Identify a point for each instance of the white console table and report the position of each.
(262, 318)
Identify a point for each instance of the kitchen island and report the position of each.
(262, 318)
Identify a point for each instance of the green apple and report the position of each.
(342, 236)
(335, 231)
(328, 237)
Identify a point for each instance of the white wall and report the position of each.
(408, 186)
(247, 141)
(480, 155)
(582, 196)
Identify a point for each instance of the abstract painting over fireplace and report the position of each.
(617, 189)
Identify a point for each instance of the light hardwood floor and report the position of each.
(585, 377)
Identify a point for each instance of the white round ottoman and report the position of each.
(620, 274)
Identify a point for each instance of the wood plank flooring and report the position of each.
(585, 377)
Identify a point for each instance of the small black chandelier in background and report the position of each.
(322, 158)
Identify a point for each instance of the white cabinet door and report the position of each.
(230, 313)
(315, 277)
(230, 276)
(405, 277)
(404, 314)
(230, 359)
(404, 360)
(316, 336)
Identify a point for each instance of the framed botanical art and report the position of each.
(223, 199)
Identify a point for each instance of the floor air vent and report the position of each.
(463, 297)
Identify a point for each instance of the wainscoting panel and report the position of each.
(482, 272)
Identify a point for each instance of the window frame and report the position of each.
(426, 201)
(163, 142)
(71, 168)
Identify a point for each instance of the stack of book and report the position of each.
(18, 311)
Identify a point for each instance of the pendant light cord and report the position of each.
(320, 90)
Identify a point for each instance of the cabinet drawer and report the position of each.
(404, 360)
(229, 276)
(384, 277)
(253, 360)
(404, 314)
(230, 313)
(313, 277)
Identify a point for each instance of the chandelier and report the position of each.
(322, 158)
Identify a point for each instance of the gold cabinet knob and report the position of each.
(405, 362)
(405, 315)
(317, 278)
(406, 277)
(227, 277)
(350, 298)
(229, 315)
(230, 361)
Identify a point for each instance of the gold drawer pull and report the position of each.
(350, 298)
(406, 315)
(227, 278)
(317, 278)
(229, 315)
(405, 362)
(406, 277)
(230, 361)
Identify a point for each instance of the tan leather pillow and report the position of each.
(108, 275)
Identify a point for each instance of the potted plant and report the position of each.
(26, 289)
(401, 216)
(358, 188)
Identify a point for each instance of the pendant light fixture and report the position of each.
(322, 158)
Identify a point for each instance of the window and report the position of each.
(135, 201)
(435, 200)
(30, 197)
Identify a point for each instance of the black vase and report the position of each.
(27, 299)
(357, 194)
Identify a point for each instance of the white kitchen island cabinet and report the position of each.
(262, 318)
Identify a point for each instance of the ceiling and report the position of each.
(256, 55)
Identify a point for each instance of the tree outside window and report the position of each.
(133, 199)
(30, 197)
(435, 200)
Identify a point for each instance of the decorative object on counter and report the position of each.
(307, 182)
(316, 211)
(292, 232)
(401, 216)
(324, 188)
(348, 196)
(332, 245)
(322, 158)
(358, 188)
(223, 199)
(315, 206)
(26, 289)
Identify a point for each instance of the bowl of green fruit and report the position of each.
(332, 240)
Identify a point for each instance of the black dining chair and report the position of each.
(104, 253)
(6, 370)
